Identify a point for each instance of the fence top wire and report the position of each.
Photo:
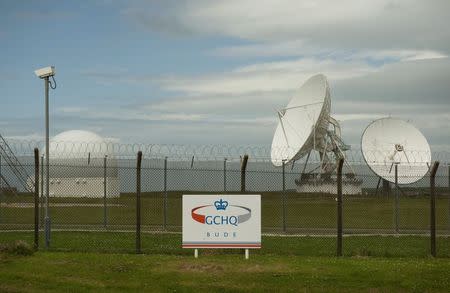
(173, 152)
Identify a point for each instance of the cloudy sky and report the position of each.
(215, 72)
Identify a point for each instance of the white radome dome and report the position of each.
(78, 136)
(77, 144)
(78, 166)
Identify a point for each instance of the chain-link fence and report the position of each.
(93, 203)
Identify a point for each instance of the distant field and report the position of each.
(93, 272)
(305, 214)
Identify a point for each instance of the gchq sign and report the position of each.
(222, 221)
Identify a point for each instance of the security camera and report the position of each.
(45, 72)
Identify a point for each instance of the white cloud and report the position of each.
(424, 55)
(331, 24)
(302, 48)
(266, 77)
(399, 55)
(135, 113)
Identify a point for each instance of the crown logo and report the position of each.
(221, 204)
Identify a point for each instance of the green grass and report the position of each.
(374, 246)
(106, 262)
(94, 272)
(305, 214)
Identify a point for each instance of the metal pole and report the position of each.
(36, 198)
(138, 202)
(396, 216)
(42, 190)
(433, 208)
(449, 198)
(105, 212)
(339, 208)
(47, 168)
(284, 196)
(225, 175)
(165, 194)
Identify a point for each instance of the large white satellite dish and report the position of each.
(304, 120)
(389, 141)
(305, 125)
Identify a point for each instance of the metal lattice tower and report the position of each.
(16, 167)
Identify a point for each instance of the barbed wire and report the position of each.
(70, 149)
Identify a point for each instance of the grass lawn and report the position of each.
(96, 272)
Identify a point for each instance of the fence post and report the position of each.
(138, 202)
(396, 216)
(225, 174)
(36, 198)
(339, 207)
(165, 195)
(449, 197)
(284, 195)
(386, 185)
(243, 169)
(433, 208)
(105, 212)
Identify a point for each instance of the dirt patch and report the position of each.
(245, 268)
(257, 268)
(193, 267)
(122, 268)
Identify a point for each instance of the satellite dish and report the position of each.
(388, 141)
(306, 125)
(303, 122)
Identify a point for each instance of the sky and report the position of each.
(216, 72)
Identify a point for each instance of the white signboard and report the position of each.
(222, 221)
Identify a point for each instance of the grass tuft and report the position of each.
(18, 247)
